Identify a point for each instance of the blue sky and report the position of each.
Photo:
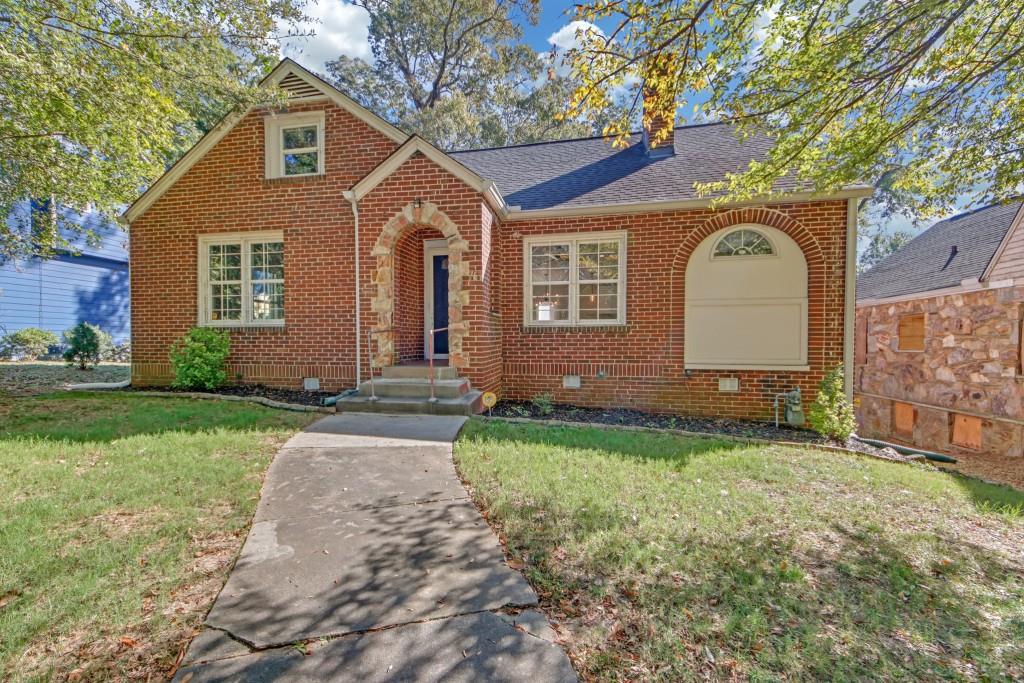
(341, 28)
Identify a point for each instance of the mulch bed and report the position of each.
(627, 417)
(296, 396)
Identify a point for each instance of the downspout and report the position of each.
(351, 197)
(850, 309)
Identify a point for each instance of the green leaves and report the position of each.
(928, 94)
(455, 72)
(98, 97)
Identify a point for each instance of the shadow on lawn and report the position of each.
(652, 446)
(83, 417)
(988, 497)
(857, 605)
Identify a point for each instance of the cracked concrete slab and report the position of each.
(378, 431)
(315, 481)
(333, 574)
(211, 644)
(365, 536)
(475, 647)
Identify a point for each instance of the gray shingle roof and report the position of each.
(924, 263)
(590, 172)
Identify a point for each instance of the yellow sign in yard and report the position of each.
(489, 399)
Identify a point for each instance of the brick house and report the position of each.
(938, 357)
(331, 243)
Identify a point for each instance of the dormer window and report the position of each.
(295, 145)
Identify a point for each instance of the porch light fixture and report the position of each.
(418, 203)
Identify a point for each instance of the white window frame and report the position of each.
(573, 240)
(274, 127)
(246, 240)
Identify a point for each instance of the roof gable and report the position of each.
(958, 249)
(302, 86)
(414, 145)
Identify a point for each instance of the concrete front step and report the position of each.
(468, 404)
(415, 388)
(418, 372)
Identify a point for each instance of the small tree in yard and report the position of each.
(26, 344)
(831, 414)
(86, 345)
(199, 359)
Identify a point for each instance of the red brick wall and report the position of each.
(640, 364)
(420, 178)
(226, 192)
(409, 292)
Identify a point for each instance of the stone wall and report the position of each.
(971, 364)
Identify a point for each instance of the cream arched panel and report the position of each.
(746, 301)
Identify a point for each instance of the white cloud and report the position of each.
(567, 38)
(339, 29)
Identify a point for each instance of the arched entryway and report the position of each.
(400, 241)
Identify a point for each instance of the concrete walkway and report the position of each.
(367, 551)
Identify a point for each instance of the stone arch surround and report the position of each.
(383, 304)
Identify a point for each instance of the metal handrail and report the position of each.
(369, 352)
(430, 360)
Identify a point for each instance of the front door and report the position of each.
(435, 297)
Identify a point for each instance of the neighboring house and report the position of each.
(87, 281)
(938, 337)
(593, 273)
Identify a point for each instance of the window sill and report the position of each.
(245, 326)
(292, 179)
(577, 329)
(731, 367)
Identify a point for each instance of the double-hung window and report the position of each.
(295, 145)
(241, 279)
(575, 279)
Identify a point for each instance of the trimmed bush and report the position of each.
(87, 344)
(27, 344)
(199, 359)
(831, 414)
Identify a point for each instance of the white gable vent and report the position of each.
(298, 89)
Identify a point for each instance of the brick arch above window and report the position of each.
(426, 214)
(772, 218)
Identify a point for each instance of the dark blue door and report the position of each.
(441, 303)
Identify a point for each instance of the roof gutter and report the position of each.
(517, 214)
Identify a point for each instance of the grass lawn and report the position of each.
(119, 518)
(667, 558)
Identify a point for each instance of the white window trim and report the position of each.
(246, 239)
(273, 143)
(749, 227)
(573, 239)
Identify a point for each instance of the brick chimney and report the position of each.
(654, 125)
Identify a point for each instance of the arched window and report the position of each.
(746, 301)
(743, 242)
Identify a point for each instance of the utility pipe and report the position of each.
(351, 197)
(906, 450)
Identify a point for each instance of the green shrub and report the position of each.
(831, 414)
(544, 403)
(87, 344)
(199, 359)
(27, 344)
